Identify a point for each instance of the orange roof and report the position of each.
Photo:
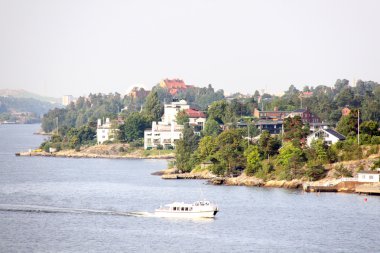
(175, 84)
(194, 113)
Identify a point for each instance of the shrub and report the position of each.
(314, 171)
(341, 171)
(218, 169)
(375, 140)
(160, 147)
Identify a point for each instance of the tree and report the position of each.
(221, 112)
(211, 128)
(206, 148)
(229, 153)
(253, 160)
(182, 118)
(370, 127)
(290, 161)
(153, 108)
(295, 130)
(185, 147)
(348, 125)
(133, 127)
(268, 145)
(321, 150)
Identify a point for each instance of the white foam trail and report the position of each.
(51, 209)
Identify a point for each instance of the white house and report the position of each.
(369, 176)
(166, 132)
(162, 134)
(329, 136)
(105, 132)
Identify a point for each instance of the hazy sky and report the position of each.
(77, 47)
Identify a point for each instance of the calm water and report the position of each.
(251, 219)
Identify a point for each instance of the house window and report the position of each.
(370, 177)
(363, 176)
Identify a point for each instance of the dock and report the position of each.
(373, 188)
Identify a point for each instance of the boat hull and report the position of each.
(190, 214)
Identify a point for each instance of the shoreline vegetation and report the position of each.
(124, 151)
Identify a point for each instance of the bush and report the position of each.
(121, 149)
(160, 147)
(218, 169)
(375, 140)
(265, 171)
(137, 143)
(341, 171)
(376, 164)
(77, 148)
(314, 171)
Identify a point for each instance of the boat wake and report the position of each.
(51, 209)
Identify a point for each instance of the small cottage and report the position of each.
(369, 176)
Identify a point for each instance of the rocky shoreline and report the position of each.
(111, 151)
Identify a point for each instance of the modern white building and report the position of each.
(369, 176)
(105, 132)
(171, 110)
(329, 136)
(167, 131)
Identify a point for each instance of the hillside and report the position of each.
(27, 94)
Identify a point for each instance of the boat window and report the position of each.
(182, 208)
(186, 209)
(174, 208)
(190, 209)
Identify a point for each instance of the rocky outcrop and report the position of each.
(114, 151)
(293, 184)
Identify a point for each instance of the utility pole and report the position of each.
(249, 139)
(57, 126)
(358, 127)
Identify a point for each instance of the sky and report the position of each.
(57, 48)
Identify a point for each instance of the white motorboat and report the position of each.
(198, 209)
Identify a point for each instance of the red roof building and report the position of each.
(174, 85)
(193, 113)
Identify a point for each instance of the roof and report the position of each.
(335, 133)
(369, 172)
(193, 113)
(175, 84)
(300, 110)
(269, 122)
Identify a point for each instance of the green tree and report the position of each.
(230, 148)
(206, 148)
(185, 147)
(290, 161)
(253, 160)
(133, 127)
(182, 118)
(221, 112)
(370, 127)
(268, 145)
(153, 108)
(211, 128)
(348, 125)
